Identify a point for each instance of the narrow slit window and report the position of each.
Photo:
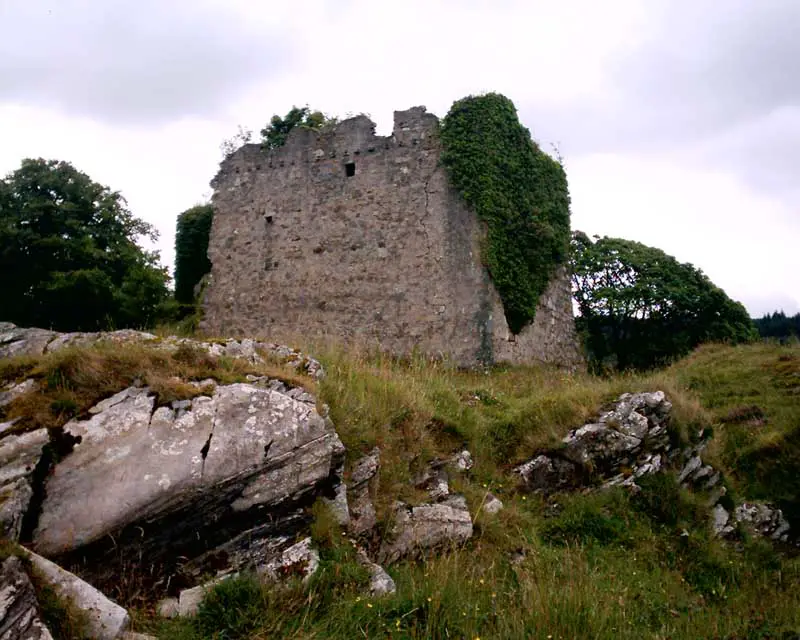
(350, 169)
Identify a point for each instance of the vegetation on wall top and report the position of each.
(274, 135)
(519, 191)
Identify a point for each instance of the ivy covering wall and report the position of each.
(519, 191)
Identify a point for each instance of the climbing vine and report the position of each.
(519, 191)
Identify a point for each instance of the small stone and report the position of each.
(338, 505)
(299, 558)
(463, 461)
(492, 504)
(168, 608)
(189, 600)
(380, 583)
(691, 466)
(720, 517)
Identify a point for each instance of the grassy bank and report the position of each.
(596, 566)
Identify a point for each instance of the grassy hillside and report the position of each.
(752, 394)
(597, 566)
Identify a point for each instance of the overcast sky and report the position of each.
(678, 120)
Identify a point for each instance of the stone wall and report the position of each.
(360, 237)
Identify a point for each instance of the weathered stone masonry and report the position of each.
(360, 237)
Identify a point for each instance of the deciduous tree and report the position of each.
(640, 307)
(68, 253)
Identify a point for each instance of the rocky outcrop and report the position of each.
(631, 441)
(205, 481)
(16, 341)
(758, 518)
(19, 610)
(624, 444)
(13, 391)
(492, 504)
(300, 559)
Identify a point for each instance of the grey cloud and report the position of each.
(709, 80)
(126, 61)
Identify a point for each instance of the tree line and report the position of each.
(71, 260)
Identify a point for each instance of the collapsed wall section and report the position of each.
(359, 237)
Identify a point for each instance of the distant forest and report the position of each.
(778, 325)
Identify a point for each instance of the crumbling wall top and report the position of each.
(347, 138)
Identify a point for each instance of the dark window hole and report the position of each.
(350, 169)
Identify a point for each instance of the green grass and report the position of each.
(73, 379)
(609, 565)
(644, 580)
(753, 395)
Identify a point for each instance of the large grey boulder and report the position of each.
(19, 609)
(426, 527)
(164, 482)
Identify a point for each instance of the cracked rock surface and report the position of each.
(167, 482)
(19, 457)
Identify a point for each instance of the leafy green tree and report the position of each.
(191, 247)
(275, 133)
(641, 308)
(68, 253)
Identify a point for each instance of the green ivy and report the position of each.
(519, 191)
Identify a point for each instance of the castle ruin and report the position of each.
(359, 237)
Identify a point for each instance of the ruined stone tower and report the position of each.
(360, 237)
